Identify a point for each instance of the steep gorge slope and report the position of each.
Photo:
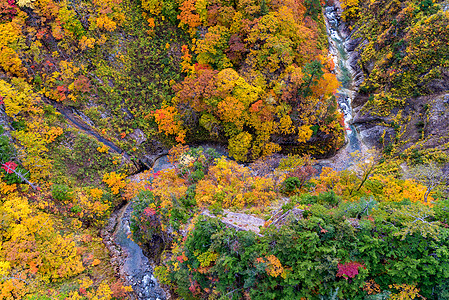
(399, 53)
(140, 76)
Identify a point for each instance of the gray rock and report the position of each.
(357, 73)
(351, 44)
(153, 150)
(446, 99)
(149, 159)
(436, 86)
(362, 117)
(138, 136)
(127, 115)
(353, 60)
(238, 221)
(372, 137)
(369, 66)
(440, 84)
(438, 122)
(85, 118)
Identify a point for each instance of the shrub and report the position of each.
(329, 198)
(322, 252)
(61, 192)
(291, 184)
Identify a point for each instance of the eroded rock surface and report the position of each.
(133, 267)
(238, 221)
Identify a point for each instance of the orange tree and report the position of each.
(256, 81)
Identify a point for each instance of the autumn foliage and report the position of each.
(32, 247)
(285, 88)
(344, 225)
(138, 76)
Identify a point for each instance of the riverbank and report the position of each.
(341, 160)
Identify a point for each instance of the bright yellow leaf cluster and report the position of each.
(104, 22)
(152, 6)
(20, 102)
(92, 209)
(168, 185)
(103, 149)
(86, 42)
(231, 185)
(10, 33)
(115, 181)
(275, 267)
(405, 291)
(304, 133)
(32, 242)
(239, 146)
(385, 188)
(18, 98)
(96, 193)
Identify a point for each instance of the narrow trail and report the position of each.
(75, 119)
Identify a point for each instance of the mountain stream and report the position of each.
(136, 267)
(345, 93)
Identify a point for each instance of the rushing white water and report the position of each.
(136, 266)
(445, 5)
(346, 90)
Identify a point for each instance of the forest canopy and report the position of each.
(94, 91)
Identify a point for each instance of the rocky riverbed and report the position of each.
(342, 50)
(130, 263)
(128, 258)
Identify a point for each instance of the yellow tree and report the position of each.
(115, 181)
(32, 246)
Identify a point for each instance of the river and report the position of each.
(345, 93)
(137, 268)
(134, 266)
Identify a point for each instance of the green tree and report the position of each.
(312, 73)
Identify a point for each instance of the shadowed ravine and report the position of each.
(136, 268)
(337, 49)
(132, 264)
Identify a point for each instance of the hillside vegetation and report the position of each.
(355, 234)
(92, 90)
(402, 52)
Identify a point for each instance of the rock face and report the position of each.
(376, 136)
(439, 85)
(154, 150)
(423, 119)
(353, 59)
(238, 221)
(436, 123)
(372, 129)
(446, 99)
(138, 136)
